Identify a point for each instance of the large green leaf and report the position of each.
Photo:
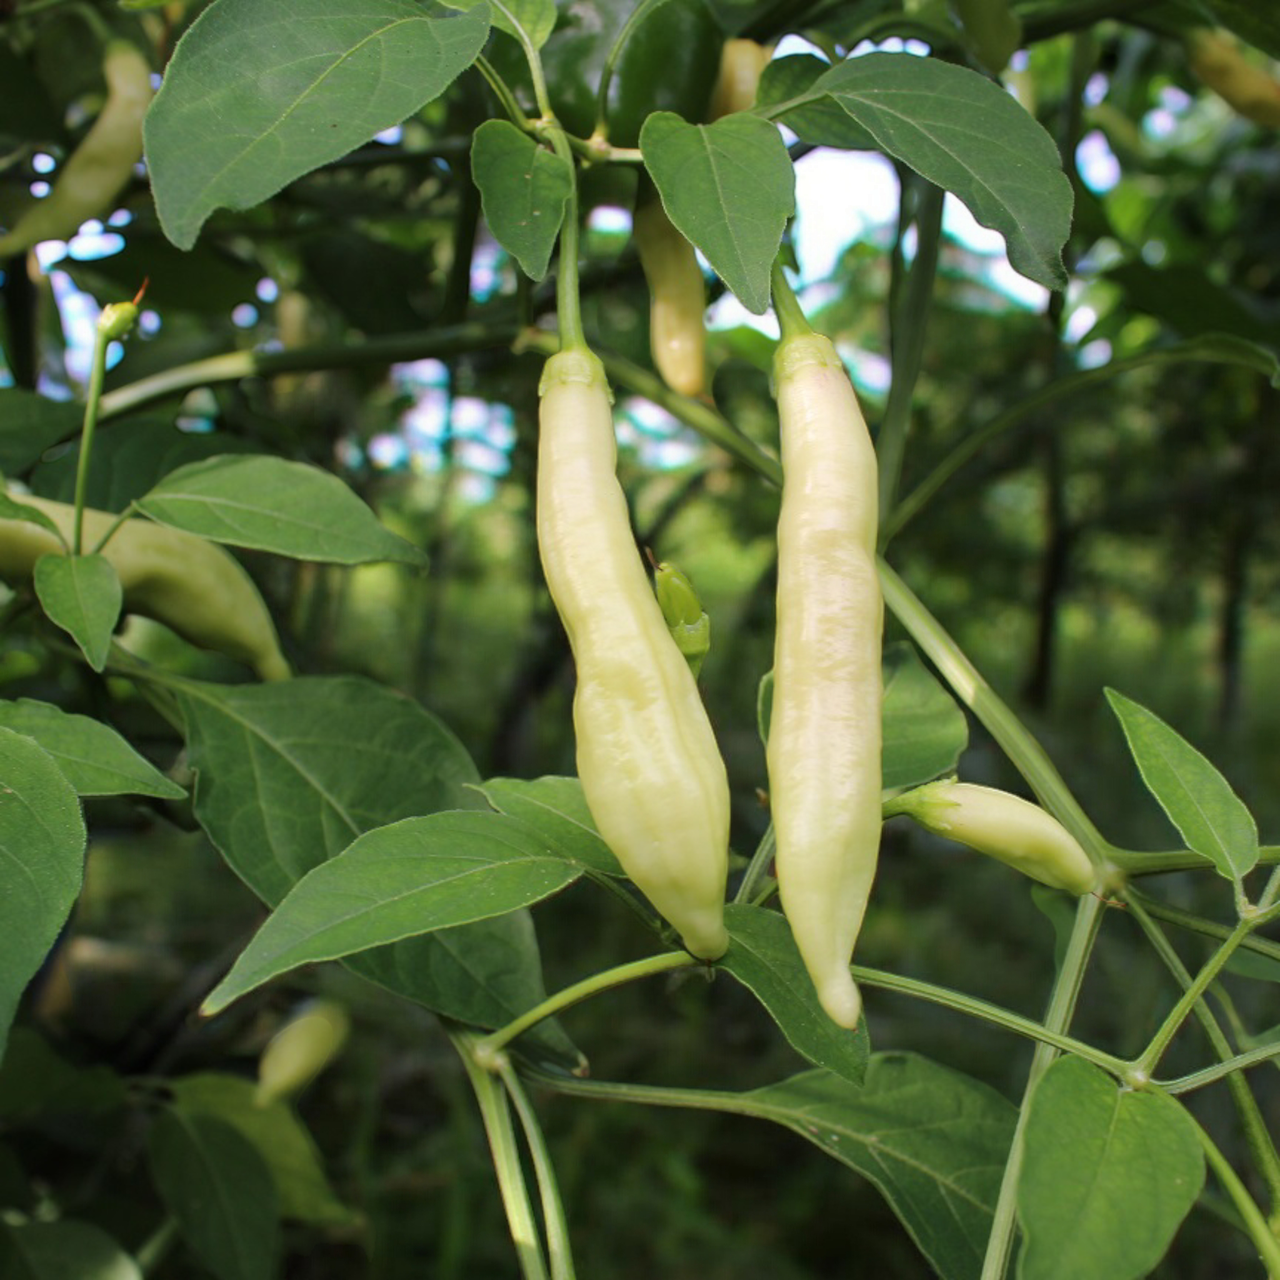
(932, 1141)
(763, 957)
(270, 504)
(534, 18)
(524, 188)
(729, 187)
(289, 774)
(42, 845)
(966, 134)
(82, 594)
(219, 1190)
(1211, 818)
(63, 1250)
(412, 877)
(130, 459)
(1108, 1174)
(301, 90)
(95, 759)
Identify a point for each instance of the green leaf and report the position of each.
(93, 757)
(398, 881)
(270, 504)
(931, 1140)
(339, 756)
(332, 757)
(822, 122)
(557, 809)
(301, 94)
(924, 729)
(524, 189)
(966, 134)
(275, 1132)
(1108, 1174)
(13, 510)
(129, 461)
(42, 846)
(729, 187)
(220, 1191)
(763, 957)
(536, 18)
(1211, 818)
(1184, 296)
(63, 1250)
(484, 974)
(82, 595)
(29, 424)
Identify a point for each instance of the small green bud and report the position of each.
(690, 627)
(117, 319)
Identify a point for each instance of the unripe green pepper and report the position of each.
(1002, 826)
(98, 169)
(647, 757)
(191, 585)
(300, 1050)
(824, 734)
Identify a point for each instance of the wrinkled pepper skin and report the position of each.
(97, 170)
(824, 735)
(1006, 827)
(647, 757)
(191, 585)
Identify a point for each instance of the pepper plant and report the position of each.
(339, 194)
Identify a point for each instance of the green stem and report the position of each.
(502, 91)
(1220, 1071)
(1149, 1059)
(758, 867)
(494, 1110)
(235, 365)
(1062, 1005)
(910, 321)
(486, 1047)
(1045, 1035)
(559, 1249)
(1027, 755)
(1197, 924)
(568, 302)
(97, 372)
(1260, 1233)
(1135, 862)
(1255, 1127)
(634, 19)
(786, 306)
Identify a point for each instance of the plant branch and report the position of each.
(1062, 1003)
(496, 1114)
(486, 1047)
(1255, 1224)
(557, 1229)
(1251, 1119)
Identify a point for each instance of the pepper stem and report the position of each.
(786, 306)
